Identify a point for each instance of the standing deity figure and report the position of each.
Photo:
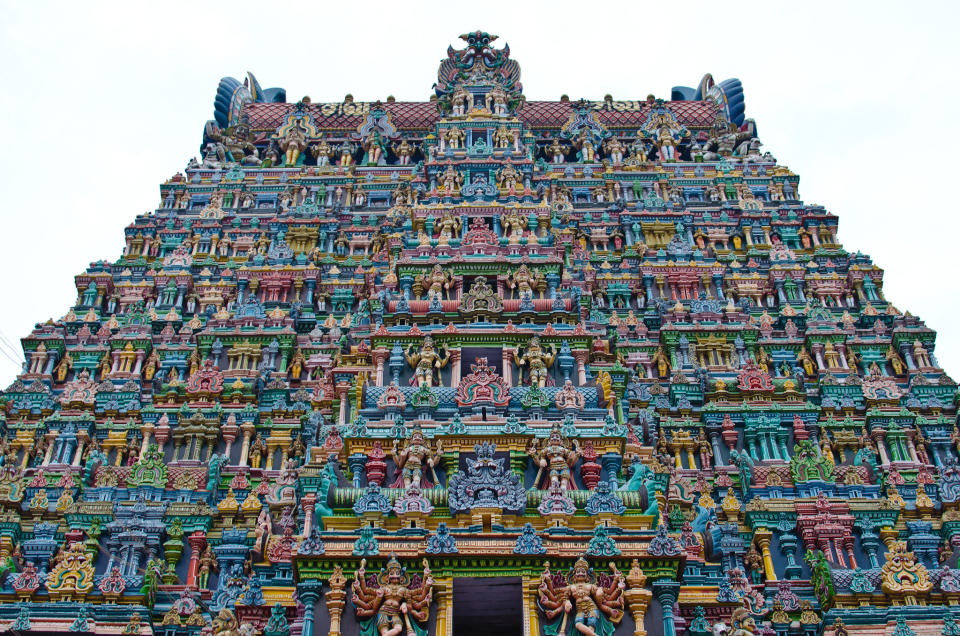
(556, 151)
(502, 137)
(448, 227)
(587, 149)
(512, 225)
(404, 151)
(615, 150)
(667, 144)
(293, 144)
(435, 282)
(450, 180)
(538, 360)
(508, 178)
(639, 149)
(462, 101)
(376, 147)
(497, 101)
(454, 137)
(831, 356)
(524, 281)
(410, 461)
(323, 152)
(896, 361)
(662, 361)
(809, 366)
(391, 599)
(425, 362)
(596, 609)
(208, 564)
(346, 153)
(556, 458)
(706, 451)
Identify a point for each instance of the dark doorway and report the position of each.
(482, 607)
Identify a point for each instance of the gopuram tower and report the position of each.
(480, 365)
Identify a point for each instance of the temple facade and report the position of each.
(481, 365)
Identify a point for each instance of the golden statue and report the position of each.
(663, 363)
(502, 138)
(896, 361)
(435, 282)
(448, 227)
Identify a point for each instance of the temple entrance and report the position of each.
(485, 606)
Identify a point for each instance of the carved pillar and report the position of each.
(763, 537)
(531, 618)
(580, 356)
(308, 592)
(667, 592)
(508, 355)
(443, 595)
(638, 597)
(379, 357)
(454, 367)
(309, 502)
(342, 390)
(197, 541)
(336, 599)
(247, 428)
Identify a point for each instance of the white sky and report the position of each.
(101, 102)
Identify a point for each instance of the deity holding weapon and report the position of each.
(425, 362)
(538, 360)
(411, 459)
(387, 602)
(435, 282)
(556, 457)
(597, 609)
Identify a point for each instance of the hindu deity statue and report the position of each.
(346, 150)
(404, 151)
(508, 178)
(391, 600)
(663, 363)
(538, 359)
(585, 144)
(454, 138)
(376, 148)
(323, 151)
(450, 180)
(615, 150)
(525, 281)
(556, 458)
(596, 609)
(293, 143)
(448, 227)
(896, 361)
(556, 151)
(412, 458)
(435, 282)
(426, 362)
(496, 100)
(513, 225)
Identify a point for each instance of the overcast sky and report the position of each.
(99, 103)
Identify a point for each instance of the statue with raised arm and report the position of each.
(538, 360)
(556, 458)
(425, 362)
(410, 461)
(596, 605)
(392, 602)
